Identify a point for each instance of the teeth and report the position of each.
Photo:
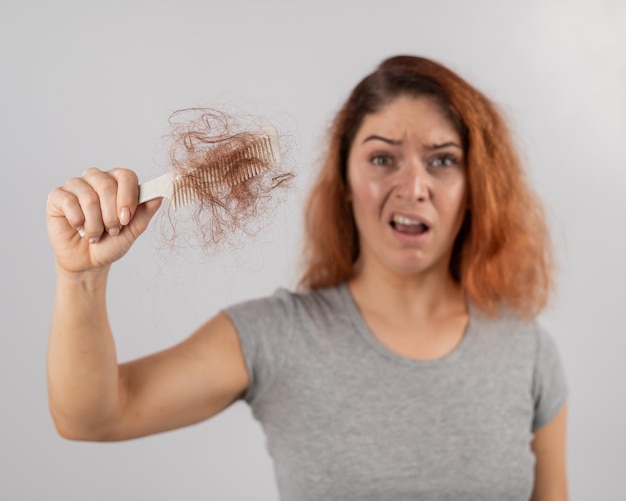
(405, 220)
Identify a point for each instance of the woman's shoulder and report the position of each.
(505, 319)
(512, 334)
(287, 301)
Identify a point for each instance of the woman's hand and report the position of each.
(91, 396)
(93, 220)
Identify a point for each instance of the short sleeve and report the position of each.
(549, 382)
(265, 329)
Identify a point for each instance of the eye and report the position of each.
(382, 159)
(444, 161)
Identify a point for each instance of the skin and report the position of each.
(549, 447)
(405, 160)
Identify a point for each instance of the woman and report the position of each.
(409, 366)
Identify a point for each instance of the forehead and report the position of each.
(405, 117)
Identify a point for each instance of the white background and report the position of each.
(93, 83)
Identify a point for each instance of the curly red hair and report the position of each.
(502, 255)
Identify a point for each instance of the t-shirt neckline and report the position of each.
(365, 332)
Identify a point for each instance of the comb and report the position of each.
(225, 166)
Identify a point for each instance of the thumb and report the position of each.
(143, 215)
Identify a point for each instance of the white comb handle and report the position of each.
(161, 186)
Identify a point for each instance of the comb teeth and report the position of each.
(235, 165)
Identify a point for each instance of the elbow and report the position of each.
(78, 432)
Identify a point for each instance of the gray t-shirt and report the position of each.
(347, 419)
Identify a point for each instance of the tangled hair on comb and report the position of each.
(208, 143)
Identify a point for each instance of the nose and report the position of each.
(413, 182)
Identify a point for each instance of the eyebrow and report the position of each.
(442, 145)
(396, 142)
(381, 138)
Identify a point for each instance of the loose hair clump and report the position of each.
(207, 142)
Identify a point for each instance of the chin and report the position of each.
(418, 266)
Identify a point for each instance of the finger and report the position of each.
(64, 204)
(127, 194)
(105, 186)
(89, 201)
(143, 215)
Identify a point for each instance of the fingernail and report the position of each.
(125, 216)
(94, 240)
(81, 232)
(114, 231)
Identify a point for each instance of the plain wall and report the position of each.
(93, 83)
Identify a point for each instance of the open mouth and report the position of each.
(408, 226)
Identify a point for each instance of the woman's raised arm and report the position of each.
(92, 222)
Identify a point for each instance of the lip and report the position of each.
(406, 238)
(411, 216)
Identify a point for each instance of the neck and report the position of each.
(430, 294)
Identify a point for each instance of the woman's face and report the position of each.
(408, 188)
